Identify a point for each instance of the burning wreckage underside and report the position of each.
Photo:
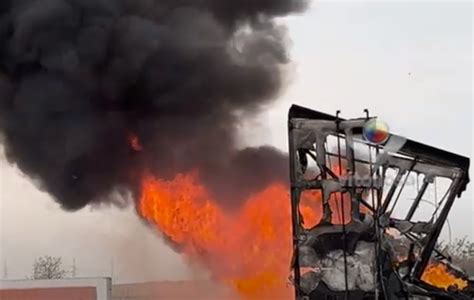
(386, 247)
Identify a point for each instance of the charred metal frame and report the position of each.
(307, 133)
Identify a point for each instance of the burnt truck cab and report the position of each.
(375, 236)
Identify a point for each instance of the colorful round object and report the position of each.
(376, 131)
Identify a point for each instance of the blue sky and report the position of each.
(409, 63)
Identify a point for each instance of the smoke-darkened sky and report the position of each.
(79, 78)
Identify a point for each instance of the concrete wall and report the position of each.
(173, 290)
(73, 289)
(49, 294)
(101, 289)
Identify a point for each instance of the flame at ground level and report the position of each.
(250, 249)
(437, 274)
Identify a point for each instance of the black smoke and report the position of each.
(78, 78)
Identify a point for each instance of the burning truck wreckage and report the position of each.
(358, 249)
(110, 100)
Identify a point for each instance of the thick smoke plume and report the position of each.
(80, 78)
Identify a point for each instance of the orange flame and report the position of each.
(437, 274)
(135, 144)
(249, 249)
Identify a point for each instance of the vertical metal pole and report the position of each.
(5, 270)
(378, 245)
(343, 214)
(377, 274)
(112, 269)
(73, 271)
(295, 219)
(352, 173)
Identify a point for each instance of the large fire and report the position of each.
(249, 249)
